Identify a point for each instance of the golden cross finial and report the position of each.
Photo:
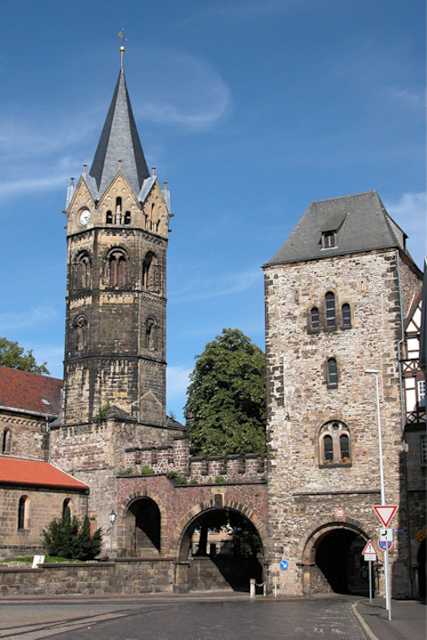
(122, 37)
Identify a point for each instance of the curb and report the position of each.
(365, 627)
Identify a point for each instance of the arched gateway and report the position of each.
(333, 561)
(223, 549)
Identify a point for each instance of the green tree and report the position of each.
(14, 356)
(69, 538)
(225, 407)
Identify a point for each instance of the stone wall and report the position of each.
(300, 402)
(28, 434)
(180, 505)
(112, 359)
(97, 578)
(43, 505)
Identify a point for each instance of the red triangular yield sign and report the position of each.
(385, 512)
(369, 548)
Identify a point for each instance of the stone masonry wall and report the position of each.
(300, 402)
(43, 506)
(121, 577)
(28, 434)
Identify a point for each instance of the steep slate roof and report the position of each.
(361, 222)
(26, 391)
(119, 141)
(38, 473)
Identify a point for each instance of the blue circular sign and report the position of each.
(283, 564)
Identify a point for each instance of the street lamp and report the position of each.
(112, 517)
(376, 373)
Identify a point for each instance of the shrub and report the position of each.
(220, 480)
(146, 470)
(176, 477)
(70, 538)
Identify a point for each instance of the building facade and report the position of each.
(337, 296)
(342, 298)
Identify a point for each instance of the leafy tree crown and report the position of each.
(14, 356)
(225, 407)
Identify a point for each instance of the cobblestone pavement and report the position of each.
(409, 619)
(179, 619)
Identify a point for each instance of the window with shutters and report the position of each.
(331, 373)
(330, 311)
(346, 316)
(314, 319)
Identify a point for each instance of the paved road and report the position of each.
(409, 619)
(180, 619)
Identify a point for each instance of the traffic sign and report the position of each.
(385, 541)
(283, 564)
(385, 512)
(369, 552)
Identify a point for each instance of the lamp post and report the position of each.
(112, 518)
(376, 374)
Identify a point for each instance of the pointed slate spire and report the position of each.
(119, 144)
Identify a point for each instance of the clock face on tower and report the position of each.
(84, 217)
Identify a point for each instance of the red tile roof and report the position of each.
(22, 471)
(27, 391)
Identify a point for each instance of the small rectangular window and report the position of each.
(421, 389)
(423, 450)
(329, 239)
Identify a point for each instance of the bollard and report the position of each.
(264, 589)
(252, 587)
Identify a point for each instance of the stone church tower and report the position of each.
(337, 296)
(117, 231)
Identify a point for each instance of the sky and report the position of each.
(250, 108)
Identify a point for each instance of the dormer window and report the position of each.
(329, 239)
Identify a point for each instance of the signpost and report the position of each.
(370, 556)
(385, 514)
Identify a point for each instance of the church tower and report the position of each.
(117, 233)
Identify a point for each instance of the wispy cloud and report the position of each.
(409, 98)
(223, 285)
(27, 319)
(191, 94)
(410, 212)
(31, 185)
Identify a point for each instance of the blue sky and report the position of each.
(251, 109)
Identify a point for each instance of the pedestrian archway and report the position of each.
(336, 561)
(143, 528)
(224, 550)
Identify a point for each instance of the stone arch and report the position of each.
(220, 546)
(342, 571)
(143, 527)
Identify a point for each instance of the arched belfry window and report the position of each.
(23, 513)
(117, 268)
(80, 330)
(6, 441)
(314, 319)
(83, 270)
(331, 373)
(334, 444)
(346, 316)
(109, 217)
(151, 334)
(151, 272)
(330, 310)
(127, 218)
